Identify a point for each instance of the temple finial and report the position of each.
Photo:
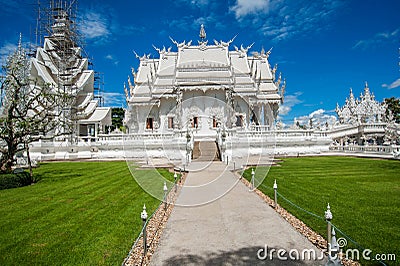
(367, 94)
(202, 34)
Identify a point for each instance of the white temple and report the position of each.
(361, 121)
(198, 100)
(60, 63)
(203, 87)
(363, 110)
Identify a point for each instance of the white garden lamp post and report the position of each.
(175, 179)
(165, 188)
(252, 179)
(275, 193)
(143, 215)
(328, 218)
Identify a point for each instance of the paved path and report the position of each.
(226, 231)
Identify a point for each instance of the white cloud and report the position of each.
(284, 19)
(378, 39)
(101, 23)
(193, 23)
(303, 120)
(114, 99)
(112, 59)
(319, 119)
(208, 16)
(243, 8)
(316, 113)
(393, 85)
(94, 26)
(194, 3)
(289, 102)
(7, 49)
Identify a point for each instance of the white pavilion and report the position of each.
(203, 87)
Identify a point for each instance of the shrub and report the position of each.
(16, 179)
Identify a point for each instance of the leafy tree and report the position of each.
(393, 104)
(117, 116)
(29, 111)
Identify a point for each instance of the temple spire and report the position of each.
(20, 41)
(19, 49)
(367, 94)
(202, 34)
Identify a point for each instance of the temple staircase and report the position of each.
(205, 151)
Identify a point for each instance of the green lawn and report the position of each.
(79, 213)
(364, 195)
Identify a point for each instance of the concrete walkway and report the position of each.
(228, 231)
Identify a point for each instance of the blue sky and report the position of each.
(322, 48)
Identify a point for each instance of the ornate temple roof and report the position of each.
(205, 66)
(363, 110)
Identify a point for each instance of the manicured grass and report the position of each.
(364, 195)
(80, 213)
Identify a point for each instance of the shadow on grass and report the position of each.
(243, 256)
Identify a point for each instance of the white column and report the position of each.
(96, 127)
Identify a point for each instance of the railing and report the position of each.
(374, 125)
(136, 136)
(367, 149)
(256, 131)
(281, 133)
(354, 129)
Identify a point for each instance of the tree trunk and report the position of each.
(9, 160)
(29, 160)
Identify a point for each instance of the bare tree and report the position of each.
(29, 111)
